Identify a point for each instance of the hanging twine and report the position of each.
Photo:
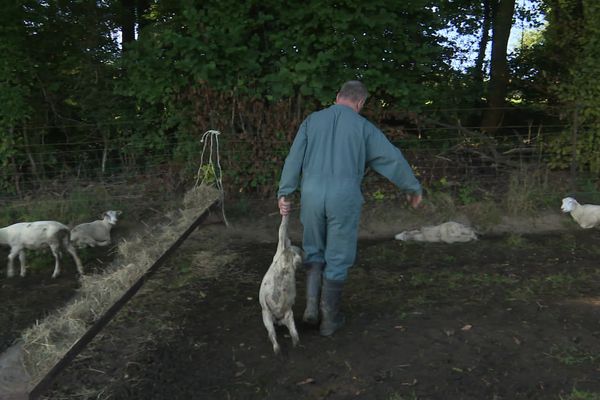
(212, 169)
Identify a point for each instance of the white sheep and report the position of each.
(278, 288)
(586, 215)
(95, 233)
(35, 235)
(448, 232)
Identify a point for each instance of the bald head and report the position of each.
(354, 90)
(353, 94)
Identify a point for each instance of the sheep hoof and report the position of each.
(10, 274)
(23, 274)
(276, 349)
(54, 276)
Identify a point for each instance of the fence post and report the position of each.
(574, 129)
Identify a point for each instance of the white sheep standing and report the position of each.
(35, 235)
(586, 215)
(278, 288)
(95, 233)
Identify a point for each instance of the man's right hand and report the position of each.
(414, 200)
(285, 207)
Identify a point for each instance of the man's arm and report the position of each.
(292, 168)
(387, 160)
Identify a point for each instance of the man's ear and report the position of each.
(361, 104)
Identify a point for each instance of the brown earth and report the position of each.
(515, 315)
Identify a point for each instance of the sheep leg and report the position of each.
(73, 254)
(288, 320)
(23, 264)
(56, 254)
(268, 321)
(11, 260)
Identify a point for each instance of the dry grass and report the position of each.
(46, 342)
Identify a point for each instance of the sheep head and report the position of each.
(111, 216)
(568, 204)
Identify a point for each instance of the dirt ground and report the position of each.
(514, 315)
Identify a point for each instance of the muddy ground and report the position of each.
(511, 316)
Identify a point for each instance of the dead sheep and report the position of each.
(278, 288)
(36, 235)
(586, 215)
(448, 232)
(95, 233)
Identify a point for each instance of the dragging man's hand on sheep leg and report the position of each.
(285, 206)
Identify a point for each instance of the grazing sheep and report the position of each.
(586, 215)
(35, 235)
(448, 232)
(278, 289)
(96, 233)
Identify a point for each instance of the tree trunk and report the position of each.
(142, 8)
(128, 21)
(32, 163)
(485, 38)
(502, 13)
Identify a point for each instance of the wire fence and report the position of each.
(446, 156)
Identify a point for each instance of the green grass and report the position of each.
(580, 395)
(76, 206)
(572, 355)
(559, 284)
(398, 396)
(514, 240)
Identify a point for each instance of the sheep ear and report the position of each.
(103, 215)
(119, 212)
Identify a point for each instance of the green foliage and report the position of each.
(379, 195)
(207, 174)
(466, 194)
(73, 99)
(528, 191)
(559, 66)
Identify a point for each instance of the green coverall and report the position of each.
(331, 151)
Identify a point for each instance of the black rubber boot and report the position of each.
(314, 271)
(331, 298)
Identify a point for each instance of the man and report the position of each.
(331, 151)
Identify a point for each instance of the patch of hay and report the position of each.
(46, 342)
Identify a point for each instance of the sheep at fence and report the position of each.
(278, 288)
(95, 233)
(36, 235)
(586, 215)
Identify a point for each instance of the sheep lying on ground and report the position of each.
(35, 235)
(278, 288)
(448, 232)
(586, 215)
(96, 233)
